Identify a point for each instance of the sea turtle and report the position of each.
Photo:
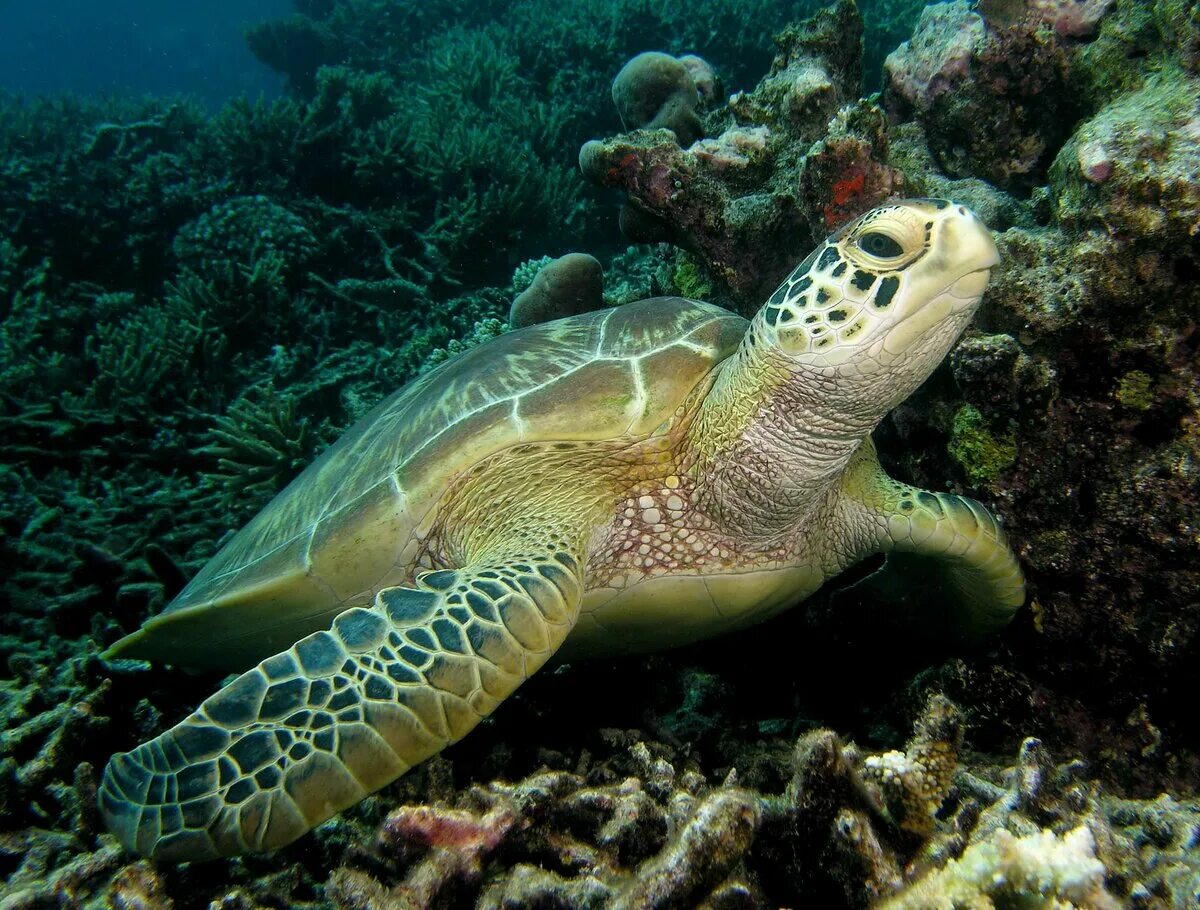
(612, 482)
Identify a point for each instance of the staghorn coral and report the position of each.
(258, 445)
(241, 264)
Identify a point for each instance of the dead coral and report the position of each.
(913, 784)
(637, 825)
(719, 833)
(1036, 869)
(613, 837)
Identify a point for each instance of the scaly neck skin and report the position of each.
(769, 445)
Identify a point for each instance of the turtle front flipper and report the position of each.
(932, 538)
(314, 729)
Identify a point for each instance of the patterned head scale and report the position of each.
(902, 280)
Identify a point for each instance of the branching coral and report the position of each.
(258, 446)
(152, 358)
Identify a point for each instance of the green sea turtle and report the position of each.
(612, 482)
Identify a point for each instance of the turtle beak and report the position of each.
(972, 242)
(969, 242)
(966, 255)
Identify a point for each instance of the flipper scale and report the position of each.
(342, 713)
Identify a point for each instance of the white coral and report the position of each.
(737, 147)
(1042, 870)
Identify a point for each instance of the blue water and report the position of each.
(135, 46)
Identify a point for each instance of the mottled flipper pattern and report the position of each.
(965, 542)
(926, 534)
(311, 731)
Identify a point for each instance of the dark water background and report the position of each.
(135, 46)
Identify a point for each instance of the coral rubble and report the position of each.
(634, 823)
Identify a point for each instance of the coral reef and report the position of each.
(748, 199)
(193, 305)
(159, 265)
(1084, 358)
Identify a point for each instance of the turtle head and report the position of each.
(873, 310)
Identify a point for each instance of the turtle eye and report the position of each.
(881, 246)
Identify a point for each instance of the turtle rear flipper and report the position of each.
(343, 712)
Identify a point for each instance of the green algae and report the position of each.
(1135, 390)
(981, 453)
(689, 279)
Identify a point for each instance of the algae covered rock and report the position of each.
(817, 69)
(993, 100)
(1133, 168)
